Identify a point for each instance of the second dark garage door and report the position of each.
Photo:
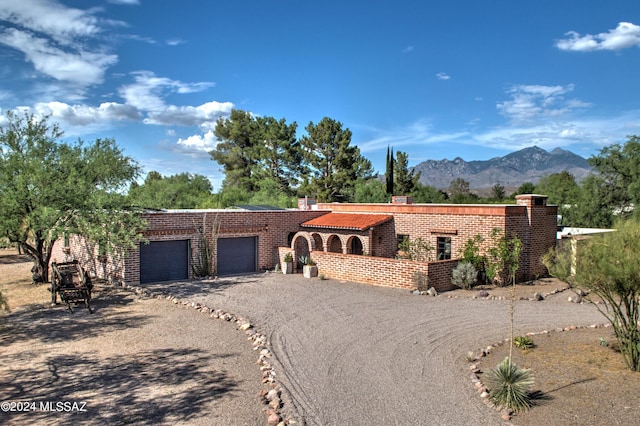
(164, 261)
(237, 255)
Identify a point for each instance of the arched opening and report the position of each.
(290, 238)
(317, 242)
(355, 246)
(334, 244)
(301, 248)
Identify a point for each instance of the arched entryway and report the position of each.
(355, 246)
(334, 244)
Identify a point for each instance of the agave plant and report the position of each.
(510, 385)
(523, 342)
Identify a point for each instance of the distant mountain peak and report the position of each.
(512, 170)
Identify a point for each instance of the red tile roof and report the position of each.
(351, 221)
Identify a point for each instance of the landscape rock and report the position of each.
(432, 292)
(538, 296)
(482, 294)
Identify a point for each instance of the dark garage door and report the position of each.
(164, 261)
(237, 255)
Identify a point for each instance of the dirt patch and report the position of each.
(580, 376)
(134, 361)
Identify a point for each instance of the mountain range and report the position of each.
(510, 171)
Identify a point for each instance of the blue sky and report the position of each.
(474, 79)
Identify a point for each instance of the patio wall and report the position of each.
(396, 273)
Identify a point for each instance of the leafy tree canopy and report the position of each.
(255, 148)
(49, 189)
(618, 168)
(181, 191)
(405, 180)
(608, 268)
(333, 165)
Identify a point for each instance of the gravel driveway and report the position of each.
(352, 354)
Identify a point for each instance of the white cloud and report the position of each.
(442, 76)
(50, 17)
(417, 134)
(146, 93)
(407, 49)
(125, 2)
(83, 115)
(81, 68)
(533, 102)
(625, 35)
(175, 41)
(203, 115)
(198, 145)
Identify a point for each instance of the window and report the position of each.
(401, 240)
(444, 248)
(66, 240)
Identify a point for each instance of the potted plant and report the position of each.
(309, 269)
(287, 264)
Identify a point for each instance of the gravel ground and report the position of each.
(352, 354)
(134, 361)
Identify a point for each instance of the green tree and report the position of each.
(278, 152)
(389, 172)
(370, 191)
(406, 181)
(497, 191)
(618, 167)
(561, 188)
(459, 191)
(608, 268)
(428, 194)
(49, 189)
(592, 208)
(181, 191)
(255, 148)
(236, 152)
(525, 188)
(333, 164)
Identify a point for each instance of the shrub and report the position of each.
(523, 342)
(464, 275)
(608, 268)
(288, 258)
(509, 386)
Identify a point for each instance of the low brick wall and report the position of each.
(396, 273)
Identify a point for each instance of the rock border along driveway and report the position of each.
(347, 353)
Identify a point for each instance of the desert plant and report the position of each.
(509, 386)
(608, 267)
(288, 257)
(418, 249)
(464, 275)
(302, 260)
(202, 264)
(470, 253)
(523, 342)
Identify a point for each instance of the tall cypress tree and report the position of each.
(389, 171)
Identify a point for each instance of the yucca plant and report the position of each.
(509, 386)
(523, 342)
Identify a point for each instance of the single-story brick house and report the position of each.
(355, 242)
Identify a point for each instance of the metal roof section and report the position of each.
(348, 221)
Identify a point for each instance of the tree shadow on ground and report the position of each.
(10, 259)
(44, 324)
(186, 289)
(163, 385)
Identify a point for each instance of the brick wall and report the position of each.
(396, 273)
(272, 229)
(530, 219)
